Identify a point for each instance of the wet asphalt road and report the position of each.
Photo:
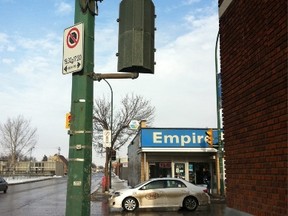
(37, 198)
(48, 198)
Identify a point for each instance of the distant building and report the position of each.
(120, 167)
(56, 165)
(62, 159)
(3, 166)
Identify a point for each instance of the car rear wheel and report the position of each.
(190, 203)
(130, 204)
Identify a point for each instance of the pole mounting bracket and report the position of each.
(100, 76)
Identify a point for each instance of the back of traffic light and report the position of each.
(113, 154)
(136, 36)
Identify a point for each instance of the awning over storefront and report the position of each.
(177, 150)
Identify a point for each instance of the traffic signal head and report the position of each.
(113, 154)
(68, 120)
(136, 36)
(209, 137)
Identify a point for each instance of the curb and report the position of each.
(29, 181)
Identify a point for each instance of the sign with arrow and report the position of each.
(73, 43)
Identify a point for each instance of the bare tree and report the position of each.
(16, 137)
(133, 107)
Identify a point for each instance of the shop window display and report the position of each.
(159, 169)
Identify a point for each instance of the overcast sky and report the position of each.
(182, 89)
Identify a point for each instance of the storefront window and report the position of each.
(159, 169)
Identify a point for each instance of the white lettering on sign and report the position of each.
(157, 137)
(182, 140)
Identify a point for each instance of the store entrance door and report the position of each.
(196, 172)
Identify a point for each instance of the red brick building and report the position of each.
(253, 49)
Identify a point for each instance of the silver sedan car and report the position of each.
(160, 192)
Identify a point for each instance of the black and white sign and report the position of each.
(107, 138)
(73, 42)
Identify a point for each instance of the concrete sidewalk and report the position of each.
(116, 184)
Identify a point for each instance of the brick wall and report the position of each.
(253, 47)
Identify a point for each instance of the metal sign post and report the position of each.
(79, 49)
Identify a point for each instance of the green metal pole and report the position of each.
(80, 145)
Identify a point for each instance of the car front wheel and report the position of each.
(190, 203)
(130, 204)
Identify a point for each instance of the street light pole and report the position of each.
(111, 128)
(98, 77)
(220, 153)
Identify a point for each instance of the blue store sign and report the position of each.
(175, 138)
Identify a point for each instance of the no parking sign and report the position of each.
(73, 41)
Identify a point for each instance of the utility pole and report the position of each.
(80, 144)
(136, 55)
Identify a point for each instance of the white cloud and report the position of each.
(189, 2)
(183, 86)
(48, 44)
(3, 38)
(63, 8)
(8, 60)
(3, 41)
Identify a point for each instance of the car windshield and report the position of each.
(142, 183)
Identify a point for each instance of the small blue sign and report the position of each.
(175, 138)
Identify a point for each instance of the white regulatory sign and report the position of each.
(107, 138)
(73, 41)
